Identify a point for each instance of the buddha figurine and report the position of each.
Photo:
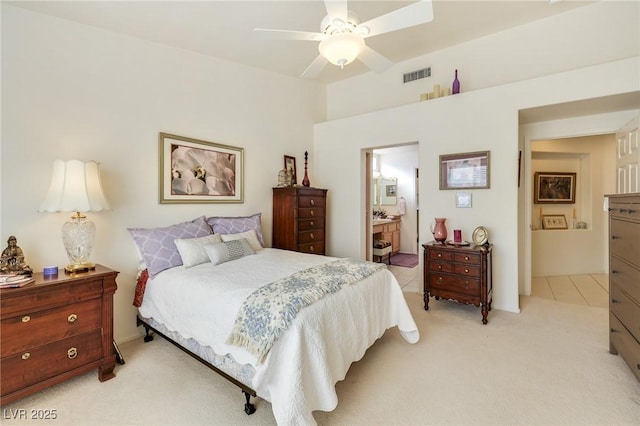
(12, 259)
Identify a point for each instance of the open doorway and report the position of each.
(581, 119)
(391, 206)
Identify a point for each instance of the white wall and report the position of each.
(473, 121)
(570, 252)
(602, 32)
(71, 91)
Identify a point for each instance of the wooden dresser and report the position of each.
(55, 329)
(299, 219)
(458, 273)
(624, 278)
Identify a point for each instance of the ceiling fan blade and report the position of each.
(313, 70)
(289, 34)
(417, 13)
(337, 9)
(374, 60)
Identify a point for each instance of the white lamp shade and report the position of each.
(342, 48)
(75, 187)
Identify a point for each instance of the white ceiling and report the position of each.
(224, 29)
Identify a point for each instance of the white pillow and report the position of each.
(192, 250)
(250, 236)
(229, 250)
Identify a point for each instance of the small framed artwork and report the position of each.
(554, 221)
(554, 188)
(290, 165)
(463, 199)
(197, 171)
(391, 190)
(468, 170)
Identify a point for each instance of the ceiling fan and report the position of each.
(342, 35)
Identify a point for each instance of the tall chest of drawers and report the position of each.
(624, 278)
(55, 329)
(299, 219)
(460, 273)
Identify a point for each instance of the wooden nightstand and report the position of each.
(462, 274)
(55, 329)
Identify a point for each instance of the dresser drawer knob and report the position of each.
(26, 318)
(466, 258)
(72, 318)
(439, 266)
(439, 254)
(72, 353)
(439, 279)
(311, 223)
(313, 213)
(313, 237)
(466, 271)
(313, 203)
(311, 248)
(26, 355)
(466, 284)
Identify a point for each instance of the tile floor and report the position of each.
(588, 289)
(408, 278)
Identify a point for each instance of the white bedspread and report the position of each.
(300, 372)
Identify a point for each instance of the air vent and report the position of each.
(416, 75)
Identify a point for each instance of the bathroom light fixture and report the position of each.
(76, 187)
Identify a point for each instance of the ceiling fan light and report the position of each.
(342, 48)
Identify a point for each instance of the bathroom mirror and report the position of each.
(388, 191)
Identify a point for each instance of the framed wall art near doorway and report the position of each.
(554, 188)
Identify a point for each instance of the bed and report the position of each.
(201, 306)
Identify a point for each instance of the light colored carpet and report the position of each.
(548, 365)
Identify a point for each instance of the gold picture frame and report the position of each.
(198, 171)
(554, 221)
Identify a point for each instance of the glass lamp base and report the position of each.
(77, 236)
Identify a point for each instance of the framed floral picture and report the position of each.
(197, 171)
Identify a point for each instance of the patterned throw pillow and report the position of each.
(157, 245)
(192, 250)
(228, 250)
(236, 225)
(250, 236)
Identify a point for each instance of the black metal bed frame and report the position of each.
(249, 408)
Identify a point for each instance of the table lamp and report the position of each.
(76, 187)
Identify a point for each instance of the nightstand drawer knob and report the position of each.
(466, 258)
(72, 318)
(439, 254)
(312, 213)
(311, 223)
(439, 266)
(72, 353)
(466, 271)
(439, 279)
(26, 318)
(312, 236)
(26, 355)
(313, 203)
(311, 248)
